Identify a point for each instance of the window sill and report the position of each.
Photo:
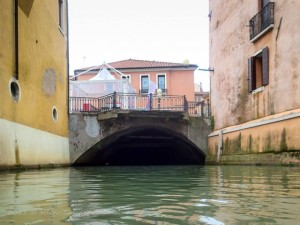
(262, 33)
(257, 90)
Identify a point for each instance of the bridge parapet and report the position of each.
(139, 102)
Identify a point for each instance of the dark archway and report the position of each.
(143, 146)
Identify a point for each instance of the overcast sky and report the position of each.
(161, 30)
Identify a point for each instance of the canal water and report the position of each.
(211, 195)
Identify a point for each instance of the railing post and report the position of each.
(114, 100)
(185, 104)
(150, 101)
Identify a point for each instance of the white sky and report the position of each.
(161, 30)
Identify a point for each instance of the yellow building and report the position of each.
(255, 85)
(33, 82)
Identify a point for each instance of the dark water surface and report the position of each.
(212, 195)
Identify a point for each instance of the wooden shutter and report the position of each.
(265, 66)
(265, 2)
(251, 74)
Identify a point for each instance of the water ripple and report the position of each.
(152, 195)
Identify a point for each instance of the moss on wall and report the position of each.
(267, 146)
(250, 144)
(233, 146)
(283, 144)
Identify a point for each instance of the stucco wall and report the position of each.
(272, 140)
(230, 48)
(233, 107)
(42, 79)
(178, 82)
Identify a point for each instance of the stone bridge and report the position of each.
(130, 137)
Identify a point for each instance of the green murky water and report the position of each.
(163, 195)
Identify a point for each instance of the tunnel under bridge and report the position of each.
(129, 137)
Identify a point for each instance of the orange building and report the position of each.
(171, 78)
(255, 103)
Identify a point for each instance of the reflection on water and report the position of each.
(152, 195)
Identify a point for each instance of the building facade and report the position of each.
(255, 85)
(33, 83)
(171, 78)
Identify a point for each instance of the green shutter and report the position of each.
(265, 66)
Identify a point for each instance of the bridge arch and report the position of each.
(133, 138)
(143, 145)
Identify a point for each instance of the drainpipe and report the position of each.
(17, 39)
(68, 71)
(220, 146)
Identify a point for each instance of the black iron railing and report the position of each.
(127, 101)
(262, 21)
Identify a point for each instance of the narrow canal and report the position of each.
(213, 195)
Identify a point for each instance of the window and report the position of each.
(144, 83)
(161, 82)
(60, 13)
(258, 70)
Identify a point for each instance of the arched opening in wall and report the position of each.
(144, 146)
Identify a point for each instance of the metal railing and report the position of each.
(146, 91)
(127, 101)
(199, 109)
(262, 20)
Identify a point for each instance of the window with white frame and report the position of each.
(161, 82)
(144, 84)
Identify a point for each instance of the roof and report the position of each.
(139, 64)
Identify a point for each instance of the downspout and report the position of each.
(16, 39)
(68, 81)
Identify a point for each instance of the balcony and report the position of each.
(262, 22)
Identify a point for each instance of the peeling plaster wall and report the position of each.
(232, 105)
(273, 143)
(230, 48)
(228, 41)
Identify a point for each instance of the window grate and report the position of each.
(262, 21)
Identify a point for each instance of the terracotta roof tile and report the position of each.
(140, 64)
